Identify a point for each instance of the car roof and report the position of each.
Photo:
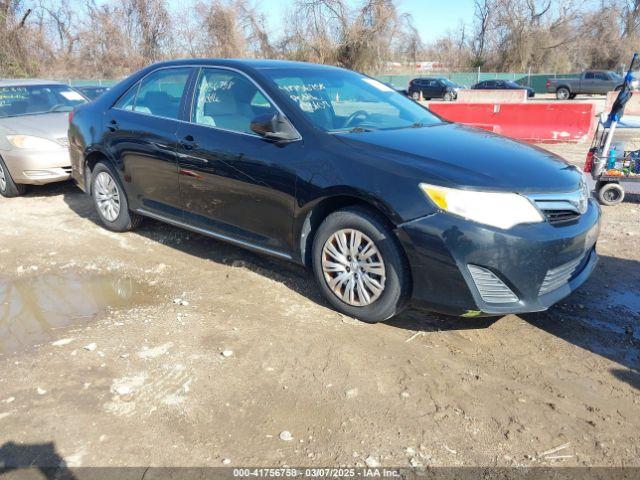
(256, 64)
(25, 82)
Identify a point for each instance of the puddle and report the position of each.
(31, 309)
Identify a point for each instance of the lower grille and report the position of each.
(557, 277)
(491, 288)
(67, 170)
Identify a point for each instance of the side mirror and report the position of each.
(274, 127)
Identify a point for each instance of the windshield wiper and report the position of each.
(352, 130)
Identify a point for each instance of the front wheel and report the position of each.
(448, 97)
(110, 200)
(415, 96)
(9, 188)
(360, 266)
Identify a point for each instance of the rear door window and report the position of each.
(159, 94)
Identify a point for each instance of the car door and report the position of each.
(440, 88)
(588, 83)
(603, 82)
(233, 182)
(141, 137)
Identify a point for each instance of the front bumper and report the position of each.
(37, 168)
(440, 247)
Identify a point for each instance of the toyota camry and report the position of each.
(387, 204)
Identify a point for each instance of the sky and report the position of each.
(432, 18)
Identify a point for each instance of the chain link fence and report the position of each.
(537, 81)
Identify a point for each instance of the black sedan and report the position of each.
(503, 85)
(387, 203)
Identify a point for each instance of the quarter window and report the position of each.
(128, 100)
(228, 100)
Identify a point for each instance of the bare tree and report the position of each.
(483, 16)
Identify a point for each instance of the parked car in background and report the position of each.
(92, 91)
(33, 133)
(402, 91)
(589, 82)
(503, 85)
(387, 203)
(433, 87)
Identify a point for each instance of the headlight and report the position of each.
(34, 143)
(501, 210)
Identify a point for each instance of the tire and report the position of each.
(448, 97)
(415, 96)
(9, 188)
(394, 275)
(610, 194)
(114, 215)
(563, 93)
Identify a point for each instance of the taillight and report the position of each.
(588, 164)
(548, 83)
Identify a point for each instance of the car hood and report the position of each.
(454, 155)
(47, 125)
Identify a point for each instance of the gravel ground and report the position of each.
(216, 356)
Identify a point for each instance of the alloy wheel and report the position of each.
(107, 196)
(353, 267)
(3, 179)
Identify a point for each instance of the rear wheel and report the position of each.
(9, 188)
(359, 265)
(110, 200)
(610, 194)
(563, 93)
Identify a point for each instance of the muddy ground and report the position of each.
(189, 352)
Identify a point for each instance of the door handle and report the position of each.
(188, 143)
(113, 125)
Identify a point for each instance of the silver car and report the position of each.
(33, 133)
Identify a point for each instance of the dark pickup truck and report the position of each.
(589, 82)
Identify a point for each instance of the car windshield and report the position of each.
(513, 84)
(448, 82)
(615, 76)
(340, 100)
(37, 99)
